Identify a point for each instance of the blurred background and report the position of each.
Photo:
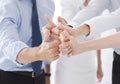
(107, 56)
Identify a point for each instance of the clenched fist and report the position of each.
(49, 51)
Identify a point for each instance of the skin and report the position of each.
(47, 51)
(58, 33)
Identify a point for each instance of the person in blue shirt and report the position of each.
(16, 51)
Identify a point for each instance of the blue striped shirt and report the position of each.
(15, 29)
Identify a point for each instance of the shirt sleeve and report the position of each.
(94, 8)
(69, 8)
(10, 44)
(46, 7)
(103, 23)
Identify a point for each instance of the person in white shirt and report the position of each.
(95, 26)
(75, 69)
(69, 11)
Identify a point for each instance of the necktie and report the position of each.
(36, 37)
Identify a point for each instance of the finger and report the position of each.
(55, 37)
(63, 38)
(99, 78)
(49, 21)
(55, 31)
(63, 27)
(62, 21)
(64, 45)
(66, 34)
(46, 35)
(65, 50)
(70, 54)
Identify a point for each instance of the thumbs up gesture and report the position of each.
(70, 46)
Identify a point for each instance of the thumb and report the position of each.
(64, 27)
(46, 35)
(62, 21)
(67, 35)
(64, 36)
(50, 22)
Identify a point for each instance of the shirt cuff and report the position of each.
(17, 47)
(93, 29)
(73, 24)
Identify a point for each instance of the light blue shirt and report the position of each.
(15, 29)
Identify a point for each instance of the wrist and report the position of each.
(83, 47)
(26, 56)
(83, 30)
(34, 54)
(99, 65)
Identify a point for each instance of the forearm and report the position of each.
(99, 66)
(27, 55)
(47, 68)
(106, 42)
(99, 58)
(47, 73)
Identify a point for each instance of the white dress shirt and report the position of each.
(106, 22)
(15, 29)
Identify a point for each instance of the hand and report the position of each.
(50, 30)
(71, 31)
(48, 51)
(99, 74)
(64, 49)
(69, 45)
(47, 29)
(62, 20)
